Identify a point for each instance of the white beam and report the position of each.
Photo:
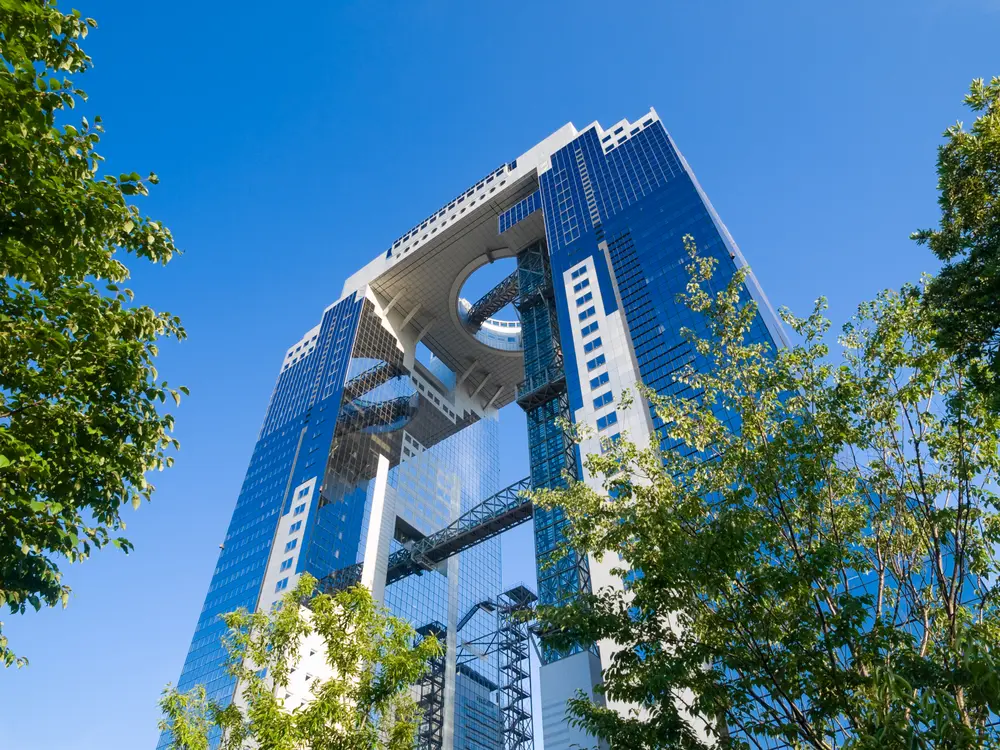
(409, 316)
(467, 373)
(423, 331)
(494, 398)
(481, 384)
(392, 303)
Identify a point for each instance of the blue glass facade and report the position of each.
(344, 400)
(298, 426)
(363, 447)
(624, 202)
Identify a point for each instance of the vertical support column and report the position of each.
(451, 656)
(543, 396)
(515, 668)
(430, 696)
(381, 524)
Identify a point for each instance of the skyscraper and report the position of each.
(378, 457)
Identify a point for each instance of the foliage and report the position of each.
(79, 426)
(966, 293)
(366, 703)
(816, 558)
(190, 717)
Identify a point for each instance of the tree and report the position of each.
(965, 293)
(365, 703)
(823, 573)
(79, 425)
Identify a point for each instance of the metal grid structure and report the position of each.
(497, 513)
(430, 694)
(515, 667)
(545, 399)
(391, 413)
(371, 379)
(493, 302)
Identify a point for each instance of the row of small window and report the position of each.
(588, 329)
(467, 194)
(292, 544)
(592, 345)
(603, 400)
(606, 421)
(519, 211)
(608, 441)
(598, 381)
(620, 130)
(584, 299)
(582, 285)
(578, 272)
(588, 313)
(593, 364)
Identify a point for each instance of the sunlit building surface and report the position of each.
(378, 460)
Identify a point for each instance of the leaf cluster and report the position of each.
(364, 703)
(80, 424)
(965, 294)
(813, 564)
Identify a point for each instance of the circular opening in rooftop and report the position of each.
(478, 300)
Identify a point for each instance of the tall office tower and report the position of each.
(378, 457)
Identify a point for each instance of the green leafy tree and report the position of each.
(821, 574)
(966, 293)
(79, 395)
(374, 660)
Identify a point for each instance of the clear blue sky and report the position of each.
(295, 141)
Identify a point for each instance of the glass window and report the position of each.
(295, 527)
(291, 545)
(596, 362)
(584, 299)
(582, 285)
(598, 381)
(286, 564)
(589, 312)
(299, 510)
(592, 345)
(603, 400)
(608, 441)
(606, 421)
(281, 585)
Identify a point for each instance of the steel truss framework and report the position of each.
(562, 574)
(430, 694)
(504, 510)
(510, 640)
(493, 302)
(514, 609)
(371, 379)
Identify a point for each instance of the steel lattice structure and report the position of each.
(371, 379)
(493, 302)
(430, 694)
(513, 634)
(504, 510)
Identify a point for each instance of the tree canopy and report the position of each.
(965, 294)
(373, 659)
(815, 564)
(80, 424)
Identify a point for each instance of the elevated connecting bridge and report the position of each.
(493, 302)
(506, 509)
